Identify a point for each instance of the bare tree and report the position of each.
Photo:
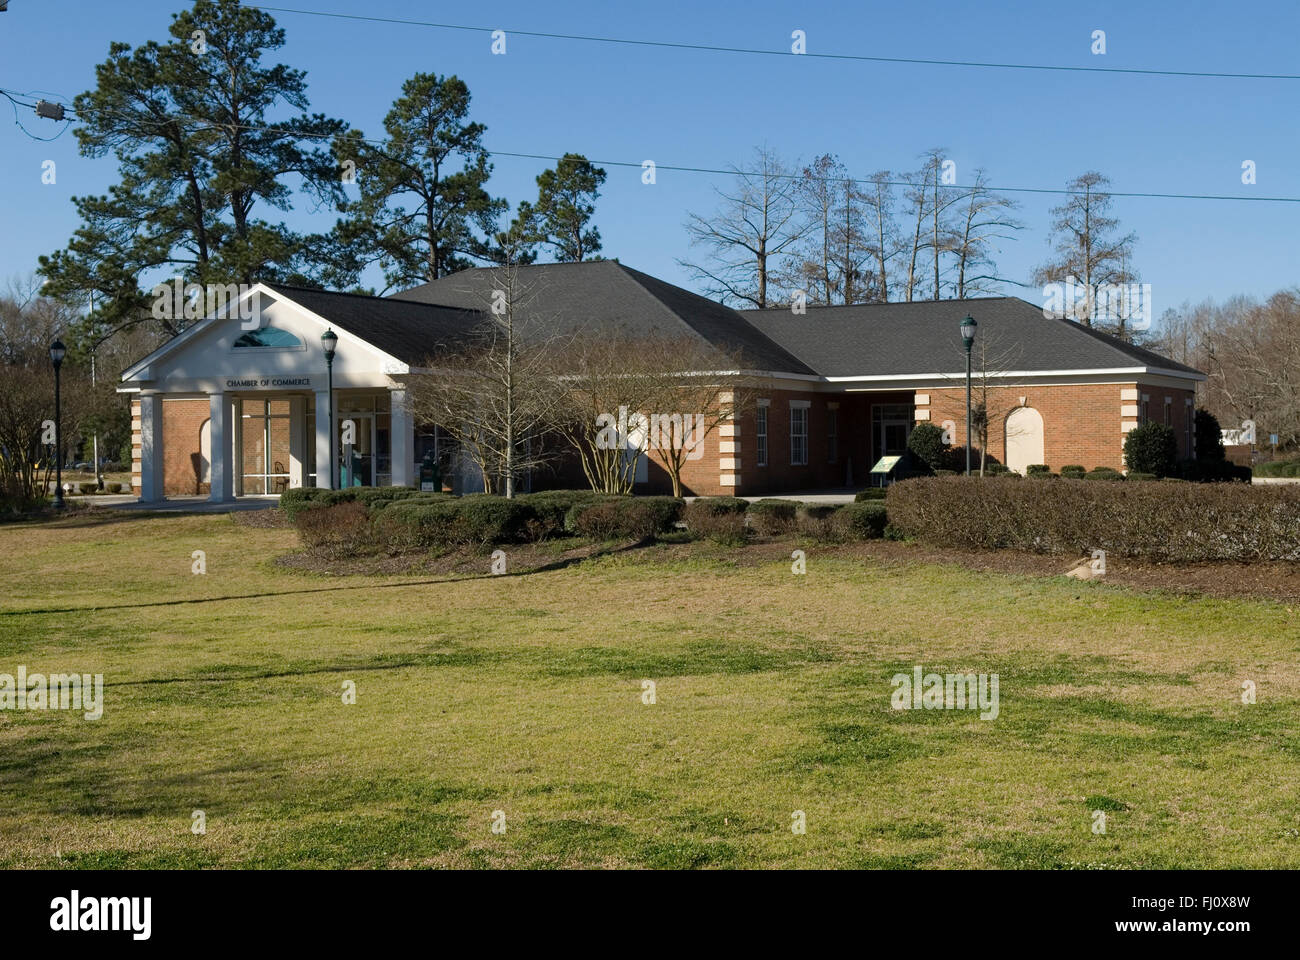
(493, 391)
(993, 392)
(985, 218)
(830, 261)
(1087, 248)
(884, 244)
(607, 377)
(757, 221)
(29, 322)
(696, 388)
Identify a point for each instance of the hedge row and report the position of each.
(1187, 522)
(398, 520)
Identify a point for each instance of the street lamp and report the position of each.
(329, 340)
(968, 340)
(57, 352)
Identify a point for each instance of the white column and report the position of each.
(220, 448)
(401, 434)
(297, 431)
(324, 441)
(151, 448)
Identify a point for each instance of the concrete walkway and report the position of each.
(178, 504)
(201, 504)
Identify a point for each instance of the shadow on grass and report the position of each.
(559, 564)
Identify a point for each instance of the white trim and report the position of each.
(139, 371)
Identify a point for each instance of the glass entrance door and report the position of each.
(893, 423)
(356, 459)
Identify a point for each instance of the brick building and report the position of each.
(239, 403)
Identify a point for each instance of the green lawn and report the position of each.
(523, 694)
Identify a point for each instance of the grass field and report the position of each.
(523, 694)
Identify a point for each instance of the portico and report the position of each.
(237, 407)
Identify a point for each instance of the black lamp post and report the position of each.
(57, 352)
(968, 340)
(329, 340)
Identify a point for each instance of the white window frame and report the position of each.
(760, 432)
(802, 418)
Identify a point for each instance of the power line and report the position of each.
(857, 57)
(713, 171)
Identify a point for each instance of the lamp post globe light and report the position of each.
(57, 352)
(329, 341)
(968, 340)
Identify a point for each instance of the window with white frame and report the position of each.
(760, 434)
(799, 433)
(832, 432)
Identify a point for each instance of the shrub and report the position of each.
(88, 487)
(551, 507)
(1074, 471)
(335, 532)
(772, 518)
(1134, 475)
(995, 469)
(1151, 448)
(1219, 522)
(1038, 470)
(717, 506)
(1208, 436)
(927, 446)
(1104, 473)
(485, 518)
(861, 521)
(705, 521)
(946, 473)
(582, 503)
(664, 511)
(296, 499)
(112, 486)
(816, 520)
(879, 493)
(412, 525)
(628, 518)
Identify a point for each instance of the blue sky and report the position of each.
(709, 109)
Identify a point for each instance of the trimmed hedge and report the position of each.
(874, 493)
(1104, 473)
(771, 517)
(1198, 522)
(716, 506)
(861, 521)
(478, 519)
(1074, 471)
(630, 518)
(1038, 470)
(707, 519)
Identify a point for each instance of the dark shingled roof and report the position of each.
(881, 339)
(403, 329)
(606, 293)
(903, 339)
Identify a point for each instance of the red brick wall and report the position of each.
(182, 468)
(1082, 423)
